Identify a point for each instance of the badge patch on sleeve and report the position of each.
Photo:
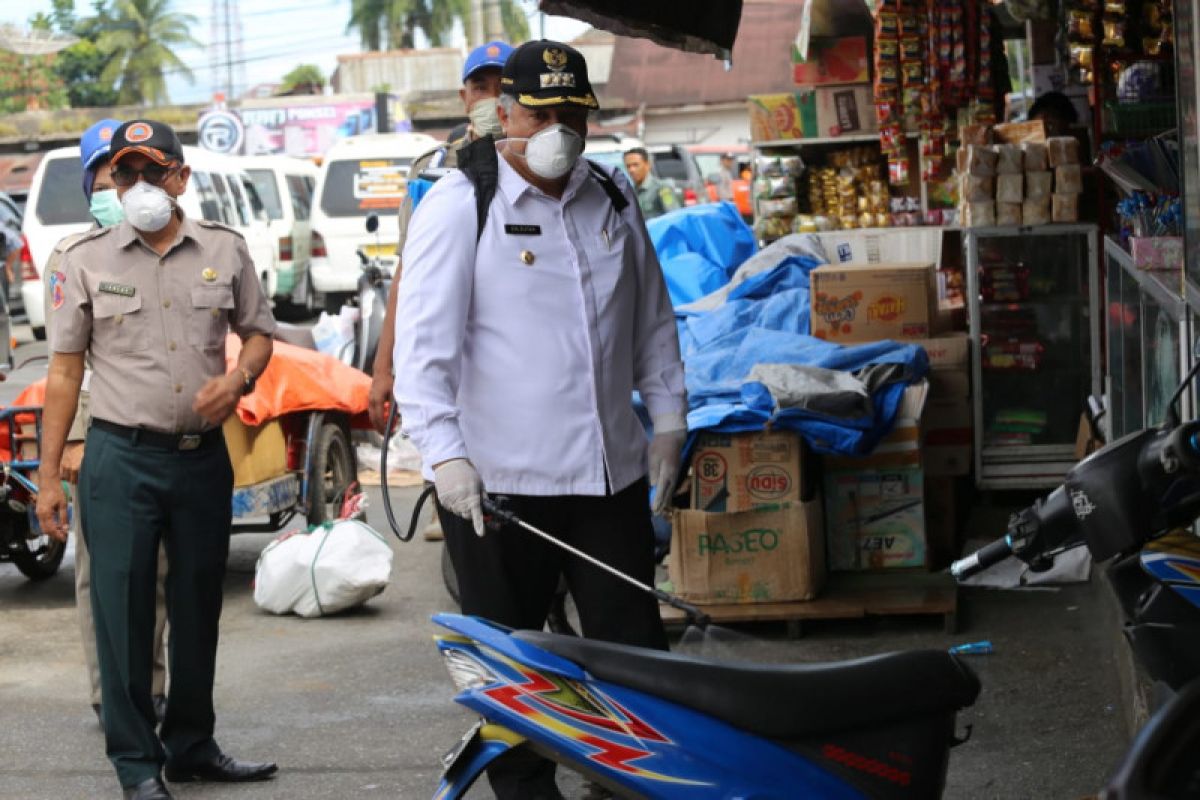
(58, 290)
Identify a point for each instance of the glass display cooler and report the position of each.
(1034, 299)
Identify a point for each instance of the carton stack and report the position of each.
(1028, 183)
(754, 532)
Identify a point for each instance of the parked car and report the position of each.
(10, 240)
(360, 175)
(708, 159)
(286, 187)
(609, 150)
(218, 191)
(675, 166)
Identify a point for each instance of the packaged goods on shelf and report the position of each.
(1068, 179)
(1010, 188)
(872, 302)
(1063, 150)
(1036, 211)
(979, 215)
(981, 160)
(1037, 156)
(1039, 185)
(1009, 159)
(832, 61)
(1008, 214)
(1020, 133)
(1064, 207)
(1013, 354)
(977, 188)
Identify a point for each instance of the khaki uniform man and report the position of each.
(105, 210)
(151, 300)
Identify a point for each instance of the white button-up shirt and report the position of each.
(522, 354)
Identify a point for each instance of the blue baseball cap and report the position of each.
(93, 146)
(492, 54)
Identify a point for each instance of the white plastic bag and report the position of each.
(334, 567)
(334, 336)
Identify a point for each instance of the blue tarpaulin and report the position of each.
(699, 248)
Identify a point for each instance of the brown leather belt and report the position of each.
(165, 441)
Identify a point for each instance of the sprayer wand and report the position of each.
(695, 616)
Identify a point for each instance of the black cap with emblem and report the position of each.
(155, 140)
(545, 73)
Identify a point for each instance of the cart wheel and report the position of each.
(37, 558)
(333, 469)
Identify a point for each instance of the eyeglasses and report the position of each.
(153, 174)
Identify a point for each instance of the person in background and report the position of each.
(1057, 113)
(105, 210)
(516, 357)
(726, 175)
(654, 197)
(481, 87)
(152, 299)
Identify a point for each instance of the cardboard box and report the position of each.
(258, 453)
(867, 303)
(869, 247)
(948, 443)
(838, 110)
(777, 116)
(1156, 252)
(875, 506)
(768, 555)
(832, 61)
(950, 352)
(743, 471)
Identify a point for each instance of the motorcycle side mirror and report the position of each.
(372, 222)
(1162, 762)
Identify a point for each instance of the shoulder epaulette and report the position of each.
(68, 242)
(220, 226)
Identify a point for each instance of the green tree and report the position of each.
(303, 79)
(392, 24)
(141, 44)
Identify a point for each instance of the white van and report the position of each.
(360, 175)
(286, 186)
(218, 191)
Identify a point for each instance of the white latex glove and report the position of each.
(666, 448)
(460, 491)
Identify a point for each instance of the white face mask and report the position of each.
(148, 208)
(553, 151)
(484, 119)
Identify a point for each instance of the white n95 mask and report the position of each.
(485, 121)
(553, 151)
(148, 208)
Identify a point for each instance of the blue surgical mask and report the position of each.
(106, 208)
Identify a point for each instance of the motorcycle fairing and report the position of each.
(1175, 561)
(485, 745)
(630, 741)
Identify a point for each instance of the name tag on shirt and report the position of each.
(108, 287)
(523, 230)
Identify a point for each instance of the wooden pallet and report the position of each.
(848, 595)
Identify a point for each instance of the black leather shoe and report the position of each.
(222, 769)
(149, 789)
(160, 707)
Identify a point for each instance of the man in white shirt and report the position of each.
(521, 344)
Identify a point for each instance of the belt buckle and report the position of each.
(189, 441)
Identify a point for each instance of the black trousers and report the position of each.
(510, 576)
(132, 496)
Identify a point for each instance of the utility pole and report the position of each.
(494, 21)
(475, 29)
(225, 57)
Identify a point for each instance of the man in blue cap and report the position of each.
(105, 209)
(481, 87)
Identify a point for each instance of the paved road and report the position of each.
(360, 706)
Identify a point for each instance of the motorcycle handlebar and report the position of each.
(982, 558)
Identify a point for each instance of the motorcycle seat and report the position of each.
(781, 701)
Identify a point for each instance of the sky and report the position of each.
(276, 37)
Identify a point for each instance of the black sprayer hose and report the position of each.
(387, 500)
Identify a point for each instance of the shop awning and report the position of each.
(708, 27)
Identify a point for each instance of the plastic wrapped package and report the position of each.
(1010, 189)
(1008, 213)
(1037, 156)
(1063, 150)
(1068, 179)
(981, 160)
(781, 207)
(977, 188)
(1064, 207)
(1036, 211)
(1009, 159)
(980, 215)
(774, 188)
(1038, 185)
